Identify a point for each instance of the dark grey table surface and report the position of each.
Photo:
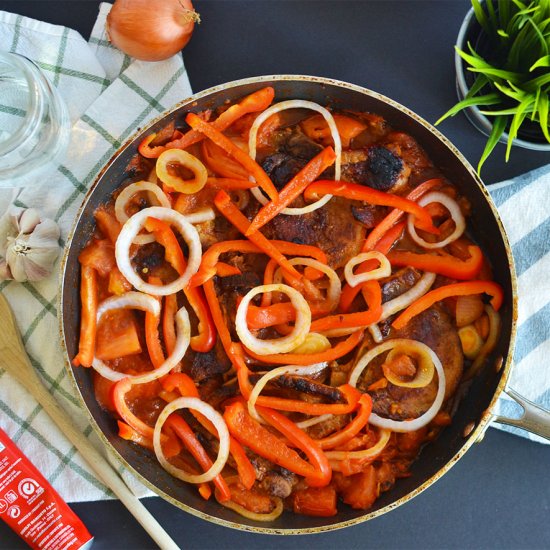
(498, 495)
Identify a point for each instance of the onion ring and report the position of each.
(297, 104)
(383, 270)
(278, 345)
(371, 452)
(454, 209)
(144, 302)
(187, 160)
(219, 423)
(127, 193)
(335, 285)
(424, 371)
(312, 421)
(280, 371)
(132, 227)
(402, 425)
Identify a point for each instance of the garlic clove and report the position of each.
(45, 235)
(28, 220)
(5, 272)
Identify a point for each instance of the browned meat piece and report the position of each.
(278, 484)
(275, 480)
(377, 128)
(164, 135)
(202, 366)
(295, 143)
(328, 426)
(148, 256)
(281, 168)
(368, 214)
(434, 328)
(310, 387)
(377, 166)
(399, 283)
(332, 228)
(138, 168)
(409, 150)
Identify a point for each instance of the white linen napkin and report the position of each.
(523, 203)
(109, 95)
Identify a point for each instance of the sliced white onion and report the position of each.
(406, 299)
(376, 333)
(280, 371)
(456, 214)
(297, 104)
(187, 160)
(217, 420)
(402, 425)
(335, 286)
(424, 367)
(383, 270)
(146, 303)
(200, 216)
(277, 345)
(132, 227)
(127, 193)
(313, 421)
(371, 452)
(338, 332)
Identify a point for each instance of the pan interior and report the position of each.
(437, 456)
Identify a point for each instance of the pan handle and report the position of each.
(534, 419)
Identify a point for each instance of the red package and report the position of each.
(32, 507)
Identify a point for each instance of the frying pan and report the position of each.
(474, 413)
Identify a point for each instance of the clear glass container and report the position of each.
(34, 123)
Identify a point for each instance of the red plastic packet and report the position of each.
(32, 507)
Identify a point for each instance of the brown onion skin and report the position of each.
(151, 30)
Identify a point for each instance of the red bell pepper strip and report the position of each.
(226, 270)
(358, 192)
(170, 446)
(322, 471)
(383, 245)
(230, 183)
(317, 129)
(339, 350)
(238, 154)
(108, 224)
(293, 188)
(184, 432)
(395, 215)
(152, 337)
(264, 443)
(88, 317)
(217, 315)
(221, 163)
(205, 340)
(456, 289)
(168, 322)
(274, 314)
(373, 296)
(120, 389)
(352, 429)
(187, 387)
(148, 152)
(253, 103)
(443, 265)
(224, 204)
(165, 236)
(210, 258)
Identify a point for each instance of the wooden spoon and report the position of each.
(15, 360)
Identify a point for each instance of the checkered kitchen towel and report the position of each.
(109, 95)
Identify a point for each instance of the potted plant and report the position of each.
(502, 65)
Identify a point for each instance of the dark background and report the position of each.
(498, 495)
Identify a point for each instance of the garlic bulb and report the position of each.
(28, 245)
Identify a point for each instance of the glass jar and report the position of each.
(34, 123)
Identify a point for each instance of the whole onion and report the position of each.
(151, 30)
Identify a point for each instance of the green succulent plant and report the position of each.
(511, 63)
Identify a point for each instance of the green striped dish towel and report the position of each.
(109, 95)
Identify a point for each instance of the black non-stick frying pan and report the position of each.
(475, 411)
